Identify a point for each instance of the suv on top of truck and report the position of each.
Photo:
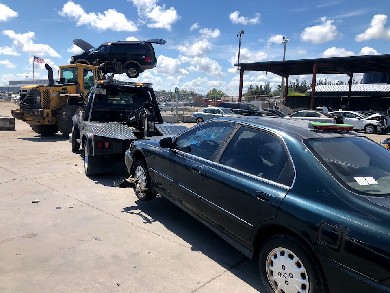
(245, 109)
(130, 57)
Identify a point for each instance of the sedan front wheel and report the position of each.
(286, 267)
(142, 186)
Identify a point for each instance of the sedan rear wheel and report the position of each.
(286, 267)
(199, 120)
(142, 186)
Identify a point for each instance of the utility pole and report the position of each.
(284, 42)
(240, 33)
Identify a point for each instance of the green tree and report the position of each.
(215, 94)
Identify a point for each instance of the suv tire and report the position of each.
(132, 71)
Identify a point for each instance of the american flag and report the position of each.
(38, 59)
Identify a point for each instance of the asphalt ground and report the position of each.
(61, 231)
(85, 235)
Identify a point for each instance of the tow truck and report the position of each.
(116, 114)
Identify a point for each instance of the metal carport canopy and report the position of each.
(334, 65)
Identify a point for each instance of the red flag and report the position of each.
(38, 60)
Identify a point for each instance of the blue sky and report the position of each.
(202, 42)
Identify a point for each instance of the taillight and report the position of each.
(103, 144)
(148, 59)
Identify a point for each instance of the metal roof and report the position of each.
(363, 88)
(334, 65)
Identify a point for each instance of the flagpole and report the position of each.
(33, 69)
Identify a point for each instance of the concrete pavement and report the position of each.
(84, 235)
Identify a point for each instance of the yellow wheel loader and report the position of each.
(49, 108)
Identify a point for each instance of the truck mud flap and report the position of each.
(168, 129)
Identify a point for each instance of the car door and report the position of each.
(178, 171)
(350, 118)
(253, 176)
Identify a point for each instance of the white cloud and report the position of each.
(131, 39)
(237, 19)
(247, 55)
(377, 30)
(6, 13)
(7, 64)
(26, 44)
(203, 64)
(210, 34)
(321, 33)
(159, 16)
(198, 48)
(195, 26)
(276, 39)
(8, 51)
(368, 51)
(167, 65)
(109, 20)
(75, 50)
(337, 52)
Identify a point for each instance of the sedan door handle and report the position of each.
(262, 195)
(197, 170)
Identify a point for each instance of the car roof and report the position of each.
(292, 127)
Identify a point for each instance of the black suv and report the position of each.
(243, 109)
(130, 57)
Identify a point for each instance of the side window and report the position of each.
(259, 153)
(88, 78)
(204, 141)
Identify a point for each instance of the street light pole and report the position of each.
(284, 42)
(240, 33)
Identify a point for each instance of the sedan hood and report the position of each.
(85, 46)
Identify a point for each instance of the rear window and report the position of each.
(358, 163)
(122, 96)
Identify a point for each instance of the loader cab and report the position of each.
(85, 76)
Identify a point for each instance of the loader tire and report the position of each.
(45, 130)
(64, 119)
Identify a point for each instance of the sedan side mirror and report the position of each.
(166, 142)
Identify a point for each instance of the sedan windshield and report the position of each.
(357, 162)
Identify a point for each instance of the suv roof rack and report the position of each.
(129, 83)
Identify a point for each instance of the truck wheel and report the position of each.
(142, 186)
(285, 266)
(369, 128)
(64, 119)
(132, 71)
(75, 143)
(90, 162)
(45, 130)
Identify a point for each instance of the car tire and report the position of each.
(91, 163)
(280, 259)
(143, 186)
(64, 119)
(132, 71)
(75, 143)
(369, 128)
(199, 120)
(45, 130)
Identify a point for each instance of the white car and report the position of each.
(359, 121)
(212, 112)
(312, 115)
